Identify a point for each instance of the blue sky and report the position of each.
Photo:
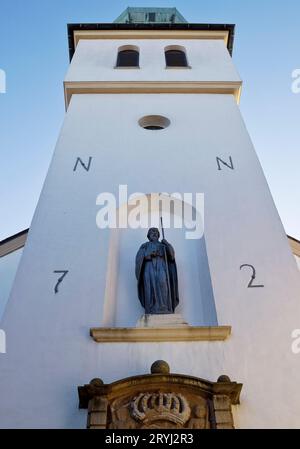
(34, 55)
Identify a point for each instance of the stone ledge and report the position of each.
(135, 335)
(152, 87)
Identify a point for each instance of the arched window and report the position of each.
(128, 56)
(175, 57)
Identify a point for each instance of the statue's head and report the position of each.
(153, 234)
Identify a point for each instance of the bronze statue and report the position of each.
(156, 273)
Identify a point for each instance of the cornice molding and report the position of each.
(150, 34)
(152, 87)
(147, 334)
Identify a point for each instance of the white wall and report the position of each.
(10, 262)
(49, 350)
(8, 268)
(94, 60)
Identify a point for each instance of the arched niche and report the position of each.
(121, 304)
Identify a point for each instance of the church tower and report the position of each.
(152, 112)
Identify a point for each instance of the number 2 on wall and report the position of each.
(251, 285)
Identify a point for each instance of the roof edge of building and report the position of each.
(148, 26)
(13, 243)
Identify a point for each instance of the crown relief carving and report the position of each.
(138, 401)
(150, 407)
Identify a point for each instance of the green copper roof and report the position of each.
(150, 15)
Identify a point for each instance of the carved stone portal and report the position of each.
(160, 400)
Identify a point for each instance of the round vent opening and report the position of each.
(154, 122)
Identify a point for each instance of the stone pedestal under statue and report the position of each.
(163, 320)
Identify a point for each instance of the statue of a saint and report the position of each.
(156, 273)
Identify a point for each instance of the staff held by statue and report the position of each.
(166, 257)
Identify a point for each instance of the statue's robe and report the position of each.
(152, 275)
